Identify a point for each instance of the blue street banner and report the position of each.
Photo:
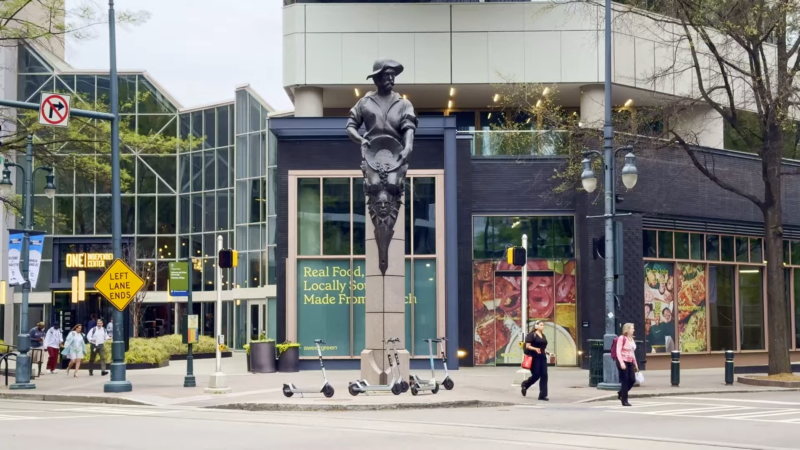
(35, 247)
(14, 255)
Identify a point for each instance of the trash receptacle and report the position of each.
(595, 362)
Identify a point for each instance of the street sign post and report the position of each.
(54, 109)
(119, 284)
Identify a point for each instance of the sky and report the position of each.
(197, 50)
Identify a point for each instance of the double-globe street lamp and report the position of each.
(23, 370)
(630, 176)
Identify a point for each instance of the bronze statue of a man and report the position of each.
(388, 141)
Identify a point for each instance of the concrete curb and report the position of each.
(66, 398)
(290, 407)
(769, 383)
(684, 393)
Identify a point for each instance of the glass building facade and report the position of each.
(175, 203)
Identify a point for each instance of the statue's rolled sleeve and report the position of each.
(355, 120)
(408, 120)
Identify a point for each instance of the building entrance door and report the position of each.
(257, 312)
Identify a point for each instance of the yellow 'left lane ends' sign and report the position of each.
(119, 284)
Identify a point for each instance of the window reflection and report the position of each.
(722, 309)
(424, 215)
(336, 216)
(308, 216)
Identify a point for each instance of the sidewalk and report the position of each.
(483, 386)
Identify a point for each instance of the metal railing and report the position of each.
(513, 143)
(4, 357)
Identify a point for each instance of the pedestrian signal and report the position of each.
(228, 258)
(516, 256)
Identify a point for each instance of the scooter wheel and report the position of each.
(404, 386)
(448, 384)
(352, 389)
(327, 391)
(414, 390)
(435, 388)
(287, 391)
(396, 389)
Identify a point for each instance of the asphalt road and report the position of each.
(766, 421)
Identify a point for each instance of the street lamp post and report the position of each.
(630, 176)
(23, 371)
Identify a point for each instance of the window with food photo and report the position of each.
(659, 307)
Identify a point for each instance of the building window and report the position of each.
(725, 309)
(330, 235)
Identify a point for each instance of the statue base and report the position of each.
(385, 307)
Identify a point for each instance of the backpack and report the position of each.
(614, 348)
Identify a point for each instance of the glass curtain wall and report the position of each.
(255, 205)
(706, 292)
(331, 289)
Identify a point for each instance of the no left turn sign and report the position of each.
(54, 109)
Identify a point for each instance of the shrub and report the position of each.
(175, 346)
(141, 351)
(286, 346)
(3, 348)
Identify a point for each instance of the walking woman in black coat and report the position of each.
(535, 345)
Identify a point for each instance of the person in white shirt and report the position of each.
(97, 338)
(53, 341)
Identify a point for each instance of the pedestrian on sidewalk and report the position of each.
(97, 342)
(92, 322)
(53, 341)
(535, 345)
(626, 362)
(37, 335)
(75, 349)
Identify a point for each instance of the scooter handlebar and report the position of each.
(319, 341)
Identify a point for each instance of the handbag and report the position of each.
(527, 362)
(639, 377)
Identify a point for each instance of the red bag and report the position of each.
(527, 362)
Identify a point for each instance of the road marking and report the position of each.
(739, 400)
(710, 409)
(758, 415)
(528, 406)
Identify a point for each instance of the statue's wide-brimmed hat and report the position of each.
(382, 153)
(383, 64)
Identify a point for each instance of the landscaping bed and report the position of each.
(157, 352)
(784, 380)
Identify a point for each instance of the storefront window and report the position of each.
(659, 307)
(742, 250)
(649, 243)
(308, 216)
(712, 247)
(681, 245)
(752, 307)
(728, 248)
(796, 307)
(697, 246)
(331, 293)
(549, 237)
(665, 244)
(722, 309)
(336, 216)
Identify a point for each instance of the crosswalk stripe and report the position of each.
(696, 410)
(771, 412)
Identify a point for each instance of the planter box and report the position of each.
(199, 356)
(289, 361)
(262, 357)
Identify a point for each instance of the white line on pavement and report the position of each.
(759, 414)
(678, 412)
(739, 400)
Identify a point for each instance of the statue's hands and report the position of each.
(364, 148)
(403, 155)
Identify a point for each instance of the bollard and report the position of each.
(729, 367)
(675, 369)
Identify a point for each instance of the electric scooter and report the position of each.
(403, 383)
(326, 389)
(394, 386)
(418, 384)
(447, 382)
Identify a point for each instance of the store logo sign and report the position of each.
(88, 260)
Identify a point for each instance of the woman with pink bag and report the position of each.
(535, 345)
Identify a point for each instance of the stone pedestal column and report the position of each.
(384, 305)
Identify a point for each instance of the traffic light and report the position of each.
(516, 256)
(228, 258)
